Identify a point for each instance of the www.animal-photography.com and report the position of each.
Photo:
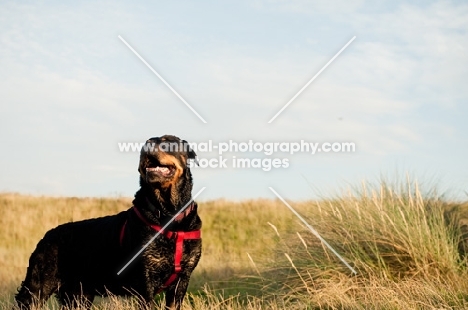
(233, 155)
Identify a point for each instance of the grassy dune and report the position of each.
(406, 245)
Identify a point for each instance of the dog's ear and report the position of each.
(190, 153)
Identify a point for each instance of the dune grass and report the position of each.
(407, 245)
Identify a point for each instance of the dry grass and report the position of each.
(404, 244)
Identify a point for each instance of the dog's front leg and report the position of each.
(176, 292)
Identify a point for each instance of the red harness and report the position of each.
(179, 237)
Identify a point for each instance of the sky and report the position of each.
(71, 91)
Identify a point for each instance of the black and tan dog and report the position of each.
(80, 260)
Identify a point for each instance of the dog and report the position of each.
(80, 260)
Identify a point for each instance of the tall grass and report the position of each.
(403, 244)
(407, 246)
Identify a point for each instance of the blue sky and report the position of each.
(71, 91)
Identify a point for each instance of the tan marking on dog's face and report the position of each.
(167, 159)
(162, 159)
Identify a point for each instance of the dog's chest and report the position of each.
(160, 256)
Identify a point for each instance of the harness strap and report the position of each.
(178, 251)
(179, 236)
(157, 228)
(178, 218)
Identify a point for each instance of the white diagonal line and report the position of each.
(159, 232)
(163, 80)
(311, 80)
(314, 231)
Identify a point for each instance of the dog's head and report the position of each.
(164, 167)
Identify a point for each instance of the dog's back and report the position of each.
(77, 255)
